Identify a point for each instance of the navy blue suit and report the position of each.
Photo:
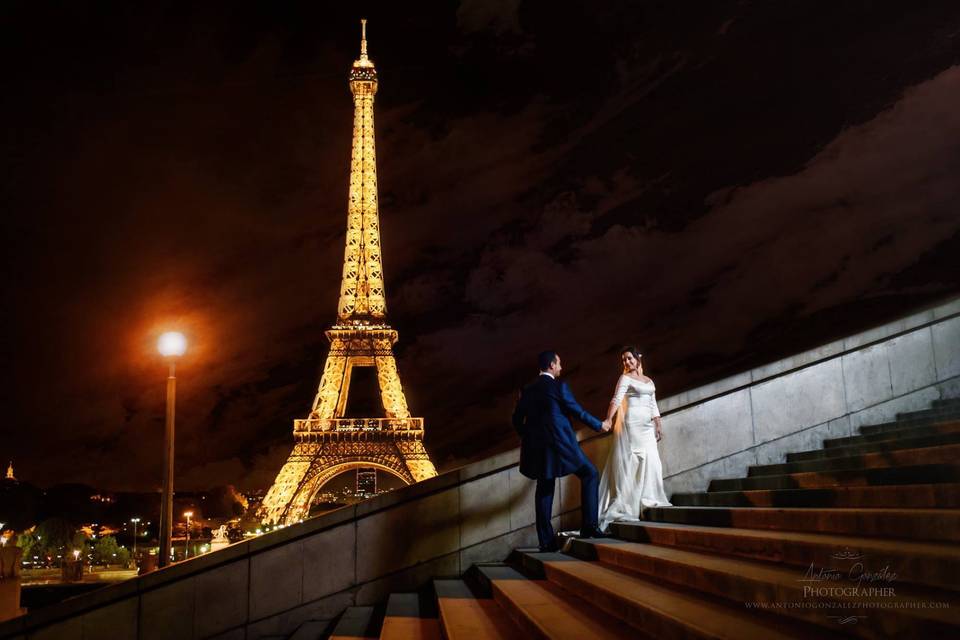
(549, 449)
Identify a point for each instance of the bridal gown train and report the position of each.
(632, 478)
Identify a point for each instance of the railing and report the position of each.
(318, 425)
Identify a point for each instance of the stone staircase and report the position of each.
(736, 561)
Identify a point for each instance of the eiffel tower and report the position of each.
(327, 443)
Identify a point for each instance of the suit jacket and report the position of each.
(548, 444)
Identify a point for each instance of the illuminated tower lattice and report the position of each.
(327, 443)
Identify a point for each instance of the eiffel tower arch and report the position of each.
(327, 442)
(325, 468)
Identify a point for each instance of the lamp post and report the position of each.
(186, 547)
(135, 521)
(171, 345)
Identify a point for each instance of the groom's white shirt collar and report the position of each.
(547, 373)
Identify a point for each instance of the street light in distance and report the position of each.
(135, 521)
(186, 547)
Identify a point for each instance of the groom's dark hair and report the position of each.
(545, 359)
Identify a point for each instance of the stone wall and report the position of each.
(399, 540)
(755, 417)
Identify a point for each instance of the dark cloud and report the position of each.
(722, 186)
(497, 15)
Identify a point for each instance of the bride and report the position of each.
(632, 478)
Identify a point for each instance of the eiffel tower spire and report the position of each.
(327, 442)
(361, 289)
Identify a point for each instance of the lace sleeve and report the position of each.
(621, 390)
(655, 410)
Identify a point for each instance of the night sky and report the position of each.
(721, 183)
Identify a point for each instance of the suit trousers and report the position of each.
(589, 483)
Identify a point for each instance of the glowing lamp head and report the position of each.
(172, 344)
(188, 514)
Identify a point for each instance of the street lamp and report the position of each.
(186, 547)
(134, 521)
(171, 345)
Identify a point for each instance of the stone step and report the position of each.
(913, 474)
(911, 524)
(410, 616)
(545, 611)
(921, 496)
(464, 616)
(908, 432)
(902, 424)
(649, 604)
(312, 630)
(948, 412)
(744, 582)
(933, 564)
(873, 447)
(357, 623)
(944, 454)
(947, 402)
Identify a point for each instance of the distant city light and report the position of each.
(172, 343)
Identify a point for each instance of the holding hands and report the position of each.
(607, 425)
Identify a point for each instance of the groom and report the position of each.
(549, 447)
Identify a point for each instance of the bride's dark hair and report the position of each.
(631, 350)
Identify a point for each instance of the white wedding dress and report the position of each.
(632, 477)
